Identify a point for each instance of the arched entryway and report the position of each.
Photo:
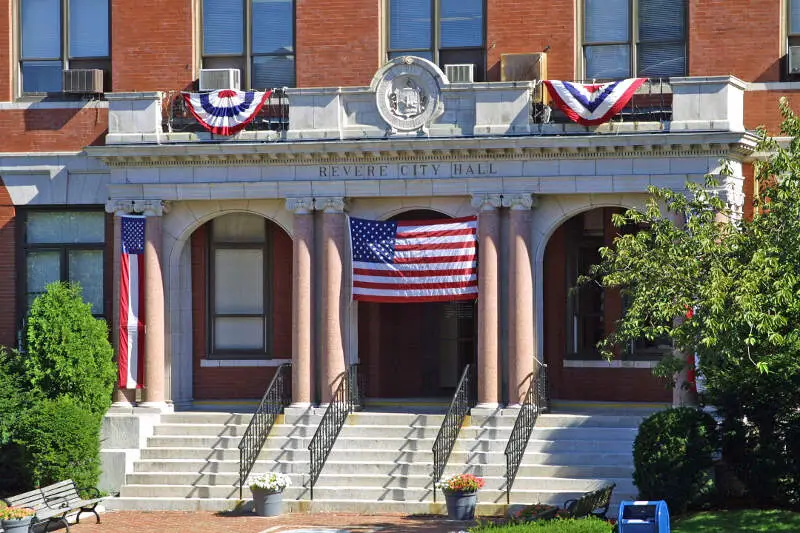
(241, 283)
(576, 318)
(415, 350)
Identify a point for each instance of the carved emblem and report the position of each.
(408, 100)
(408, 94)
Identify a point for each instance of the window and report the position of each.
(58, 35)
(64, 246)
(241, 261)
(254, 36)
(644, 38)
(793, 33)
(443, 31)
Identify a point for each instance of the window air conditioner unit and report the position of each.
(523, 67)
(83, 81)
(463, 73)
(794, 59)
(214, 79)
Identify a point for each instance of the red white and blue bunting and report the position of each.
(226, 111)
(594, 103)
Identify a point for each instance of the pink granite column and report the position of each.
(122, 397)
(302, 316)
(488, 300)
(520, 291)
(154, 364)
(333, 232)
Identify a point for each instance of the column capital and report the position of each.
(486, 201)
(300, 206)
(519, 202)
(335, 204)
(148, 208)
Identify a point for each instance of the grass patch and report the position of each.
(739, 521)
(568, 525)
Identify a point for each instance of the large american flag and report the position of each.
(131, 303)
(414, 261)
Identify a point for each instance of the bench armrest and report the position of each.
(91, 492)
(569, 503)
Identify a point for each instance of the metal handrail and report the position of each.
(344, 400)
(536, 401)
(275, 399)
(459, 408)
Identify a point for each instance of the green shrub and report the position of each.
(59, 440)
(562, 525)
(13, 399)
(68, 352)
(672, 454)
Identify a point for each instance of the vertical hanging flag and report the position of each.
(131, 303)
(414, 261)
(593, 103)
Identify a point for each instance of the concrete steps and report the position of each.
(381, 461)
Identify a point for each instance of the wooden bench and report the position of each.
(592, 503)
(54, 502)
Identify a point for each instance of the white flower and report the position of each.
(271, 481)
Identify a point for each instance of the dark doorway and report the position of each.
(415, 350)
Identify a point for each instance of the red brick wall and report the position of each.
(515, 26)
(8, 249)
(587, 384)
(239, 382)
(152, 45)
(338, 42)
(739, 37)
(53, 130)
(6, 40)
(761, 109)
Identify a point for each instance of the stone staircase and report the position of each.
(381, 461)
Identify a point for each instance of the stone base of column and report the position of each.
(162, 407)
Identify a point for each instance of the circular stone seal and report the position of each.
(407, 94)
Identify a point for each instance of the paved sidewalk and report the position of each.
(208, 522)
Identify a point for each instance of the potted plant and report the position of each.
(267, 492)
(461, 494)
(16, 519)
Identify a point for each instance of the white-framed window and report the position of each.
(240, 257)
(64, 245)
(254, 36)
(56, 35)
(443, 31)
(625, 38)
(792, 33)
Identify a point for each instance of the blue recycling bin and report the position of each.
(643, 517)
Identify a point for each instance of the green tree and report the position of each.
(728, 290)
(68, 352)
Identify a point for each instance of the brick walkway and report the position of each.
(208, 522)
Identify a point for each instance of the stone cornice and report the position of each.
(701, 144)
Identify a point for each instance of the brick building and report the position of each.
(246, 235)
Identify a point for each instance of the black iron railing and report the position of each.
(273, 115)
(536, 401)
(342, 403)
(272, 404)
(652, 102)
(358, 380)
(463, 400)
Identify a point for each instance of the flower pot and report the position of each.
(16, 526)
(461, 505)
(267, 503)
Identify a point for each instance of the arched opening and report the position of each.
(577, 318)
(415, 350)
(241, 272)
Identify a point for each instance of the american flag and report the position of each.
(131, 303)
(414, 261)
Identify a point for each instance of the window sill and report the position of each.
(616, 363)
(231, 363)
(25, 103)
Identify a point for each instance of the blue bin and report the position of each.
(643, 517)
